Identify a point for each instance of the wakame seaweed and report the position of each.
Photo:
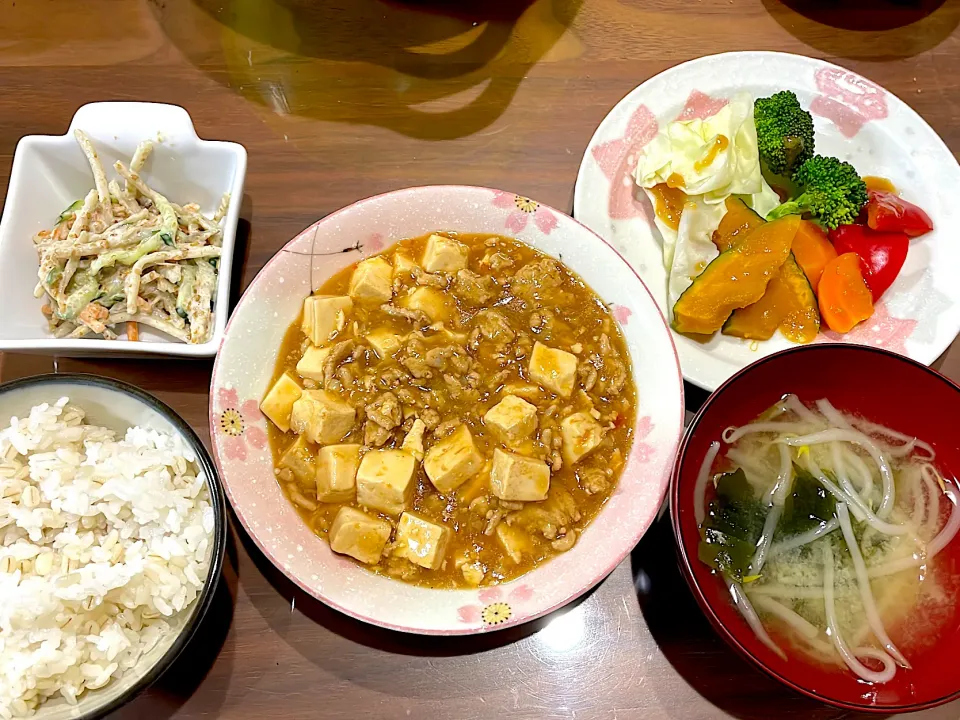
(732, 527)
(807, 506)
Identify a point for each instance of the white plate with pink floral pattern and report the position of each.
(856, 120)
(246, 360)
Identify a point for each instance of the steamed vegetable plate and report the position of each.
(827, 529)
(761, 234)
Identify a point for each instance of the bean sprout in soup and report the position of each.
(452, 412)
(827, 529)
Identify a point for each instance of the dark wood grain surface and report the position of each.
(339, 100)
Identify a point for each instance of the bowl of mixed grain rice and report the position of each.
(112, 534)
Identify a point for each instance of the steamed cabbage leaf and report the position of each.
(695, 248)
(715, 156)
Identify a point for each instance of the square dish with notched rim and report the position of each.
(50, 172)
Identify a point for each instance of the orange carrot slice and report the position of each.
(845, 300)
(813, 251)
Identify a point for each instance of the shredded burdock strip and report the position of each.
(88, 244)
(132, 283)
(142, 318)
(140, 155)
(122, 197)
(222, 208)
(99, 176)
(83, 216)
(93, 262)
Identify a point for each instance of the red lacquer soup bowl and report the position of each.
(884, 388)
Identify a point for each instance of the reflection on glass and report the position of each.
(432, 70)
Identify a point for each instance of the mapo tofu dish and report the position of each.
(452, 412)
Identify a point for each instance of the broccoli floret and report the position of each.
(784, 132)
(832, 192)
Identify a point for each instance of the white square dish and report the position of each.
(50, 172)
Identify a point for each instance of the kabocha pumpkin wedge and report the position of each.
(788, 304)
(737, 223)
(736, 278)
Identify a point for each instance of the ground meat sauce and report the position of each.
(493, 360)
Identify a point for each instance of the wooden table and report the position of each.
(337, 100)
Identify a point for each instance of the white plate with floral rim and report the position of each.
(856, 120)
(245, 365)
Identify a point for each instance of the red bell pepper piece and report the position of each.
(887, 212)
(882, 254)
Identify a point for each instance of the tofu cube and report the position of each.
(372, 282)
(384, 342)
(444, 254)
(324, 316)
(337, 473)
(322, 417)
(444, 334)
(479, 485)
(473, 573)
(278, 403)
(518, 478)
(453, 460)
(435, 304)
(421, 541)
(311, 364)
(359, 535)
(556, 370)
(301, 460)
(403, 262)
(413, 441)
(515, 542)
(385, 481)
(512, 419)
(524, 390)
(581, 434)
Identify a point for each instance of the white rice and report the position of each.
(103, 542)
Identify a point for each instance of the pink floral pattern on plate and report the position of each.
(374, 242)
(848, 100)
(523, 209)
(621, 313)
(882, 330)
(700, 106)
(494, 609)
(240, 424)
(642, 452)
(618, 160)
